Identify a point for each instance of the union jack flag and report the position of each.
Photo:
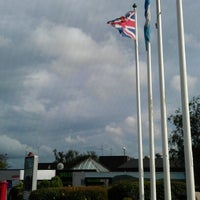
(125, 25)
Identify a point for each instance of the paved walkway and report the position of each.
(197, 195)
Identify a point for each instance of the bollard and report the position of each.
(3, 190)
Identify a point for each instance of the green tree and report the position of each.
(176, 139)
(16, 193)
(3, 161)
(56, 182)
(72, 157)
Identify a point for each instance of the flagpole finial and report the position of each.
(134, 6)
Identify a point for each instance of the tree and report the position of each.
(3, 161)
(16, 192)
(56, 182)
(176, 140)
(72, 157)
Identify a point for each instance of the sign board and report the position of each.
(30, 175)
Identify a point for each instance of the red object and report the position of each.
(3, 190)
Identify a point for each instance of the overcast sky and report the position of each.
(67, 79)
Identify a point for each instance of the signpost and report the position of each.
(30, 174)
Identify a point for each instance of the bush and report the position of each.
(44, 184)
(43, 194)
(178, 190)
(130, 190)
(124, 189)
(70, 193)
(16, 193)
(56, 182)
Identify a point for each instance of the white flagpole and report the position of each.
(185, 106)
(150, 100)
(151, 125)
(166, 165)
(139, 121)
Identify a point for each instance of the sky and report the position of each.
(68, 81)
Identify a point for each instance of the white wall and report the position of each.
(19, 174)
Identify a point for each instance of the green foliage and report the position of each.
(147, 190)
(44, 184)
(3, 161)
(72, 157)
(178, 190)
(44, 194)
(176, 140)
(70, 193)
(16, 193)
(56, 182)
(123, 189)
(130, 190)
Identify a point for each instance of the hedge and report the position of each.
(70, 193)
(130, 190)
(124, 190)
(16, 193)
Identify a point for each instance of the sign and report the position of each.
(30, 175)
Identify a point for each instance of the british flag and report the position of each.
(125, 25)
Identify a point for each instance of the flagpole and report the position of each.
(151, 125)
(139, 121)
(166, 165)
(185, 106)
(147, 31)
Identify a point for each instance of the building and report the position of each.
(91, 172)
(14, 176)
(113, 162)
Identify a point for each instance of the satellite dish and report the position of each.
(60, 166)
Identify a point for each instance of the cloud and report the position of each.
(70, 49)
(72, 52)
(75, 140)
(12, 147)
(5, 42)
(191, 81)
(114, 130)
(191, 41)
(131, 121)
(17, 151)
(175, 83)
(71, 75)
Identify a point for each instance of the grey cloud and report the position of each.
(65, 75)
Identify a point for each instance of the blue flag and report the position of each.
(146, 6)
(147, 22)
(147, 32)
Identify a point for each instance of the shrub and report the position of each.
(130, 190)
(56, 182)
(44, 184)
(123, 190)
(70, 193)
(16, 193)
(178, 190)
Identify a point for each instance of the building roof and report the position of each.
(47, 165)
(90, 164)
(113, 162)
(132, 165)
